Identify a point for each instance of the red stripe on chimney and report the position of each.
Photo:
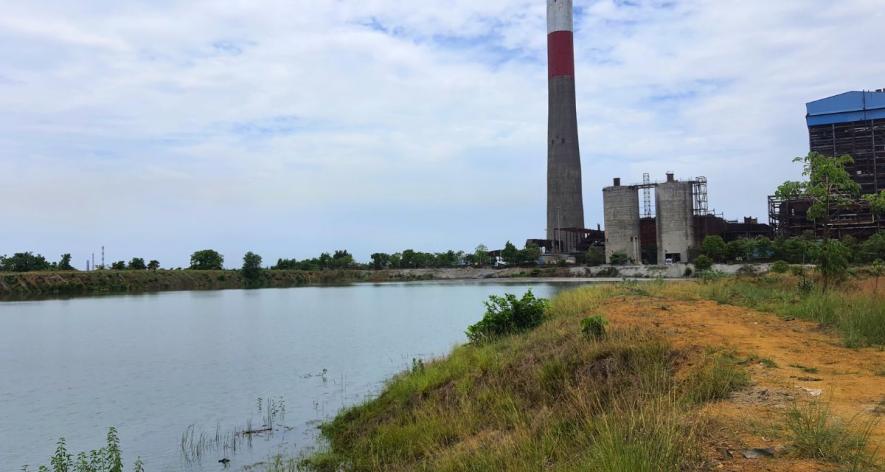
(561, 54)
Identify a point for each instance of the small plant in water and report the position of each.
(594, 327)
(106, 459)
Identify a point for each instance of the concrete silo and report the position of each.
(621, 212)
(674, 202)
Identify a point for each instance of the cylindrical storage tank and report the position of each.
(621, 211)
(674, 205)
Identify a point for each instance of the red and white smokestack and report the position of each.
(565, 202)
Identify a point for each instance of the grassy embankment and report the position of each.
(38, 284)
(555, 399)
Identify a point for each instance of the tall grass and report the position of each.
(551, 398)
(858, 316)
(817, 434)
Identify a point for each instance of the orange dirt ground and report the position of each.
(853, 381)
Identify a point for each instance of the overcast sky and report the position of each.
(292, 127)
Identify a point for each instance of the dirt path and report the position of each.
(809, 362)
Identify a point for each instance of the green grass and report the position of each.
(548, 399)
(807, 370)
(817, 434)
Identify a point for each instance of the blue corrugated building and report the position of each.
(852, 123)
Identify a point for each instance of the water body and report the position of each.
(155, 365)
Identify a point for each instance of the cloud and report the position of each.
(290, 128)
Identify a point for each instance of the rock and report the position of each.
(758, 453)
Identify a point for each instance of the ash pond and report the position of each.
(191, 378)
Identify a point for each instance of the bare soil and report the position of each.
(810, 363)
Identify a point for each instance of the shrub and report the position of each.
(594, 327)
(747, 270)
(619, 258)
(508, 315)
(609, 272)
(779, 267)
(687, 272)
(703, 263)
(715, 378)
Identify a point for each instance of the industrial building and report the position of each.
(674, 230)
(850, 123)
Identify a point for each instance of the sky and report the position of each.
(292, 127)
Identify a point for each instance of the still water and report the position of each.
(158, 366)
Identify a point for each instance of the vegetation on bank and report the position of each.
(857, 315)
(576, 394)
(106, 459)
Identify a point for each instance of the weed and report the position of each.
(594, 327)
(807, 370)
(817, 434)
(715, 378)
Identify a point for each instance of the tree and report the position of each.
(481, 255)
(510, 254)
(153, 265)
(829, 186)
(24, 262)
(380, 260)
(595, 256)
(137, 263)
(207, 259)
(877, 203)
(715, 248)
(832, 261)
(873, 248)
(252, 269)
(119, 265)
(65, 262)
(702, 263)
(739, 249)
(530, 254)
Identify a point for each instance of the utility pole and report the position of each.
(102, 257)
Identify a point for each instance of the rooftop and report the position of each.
(846, 107)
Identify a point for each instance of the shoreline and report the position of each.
(65, 285)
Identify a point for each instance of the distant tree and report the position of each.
(65, 262)
(530, 254)
(481, 255)
(252, 269)
(153, 265)
(510, 254)
(873, 248)
(325, 260)
(702, 263)
(137, 263)
(342, 259)
(24, 262)
(877, 203)
(739, 249)
(409, 259)
(832, 261)
(828, 186)
(595, 256)
(207, 259)
(715, 248)
(794, 250)
(380, 260)
(762, 248)
(119, 265)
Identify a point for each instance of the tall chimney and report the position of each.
(565, 203)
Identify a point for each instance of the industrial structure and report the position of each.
(565, 203)
(674, 230)
(850, 123)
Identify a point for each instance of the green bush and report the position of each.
(703, 263)
(508, 315)
(106, 459)
(619, 258)
(594, 327)
(779, 267)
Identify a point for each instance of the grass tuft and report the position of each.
(818, 434)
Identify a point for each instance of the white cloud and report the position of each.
(291, 127)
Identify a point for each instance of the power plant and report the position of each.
(565, 203)
(851, 123)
